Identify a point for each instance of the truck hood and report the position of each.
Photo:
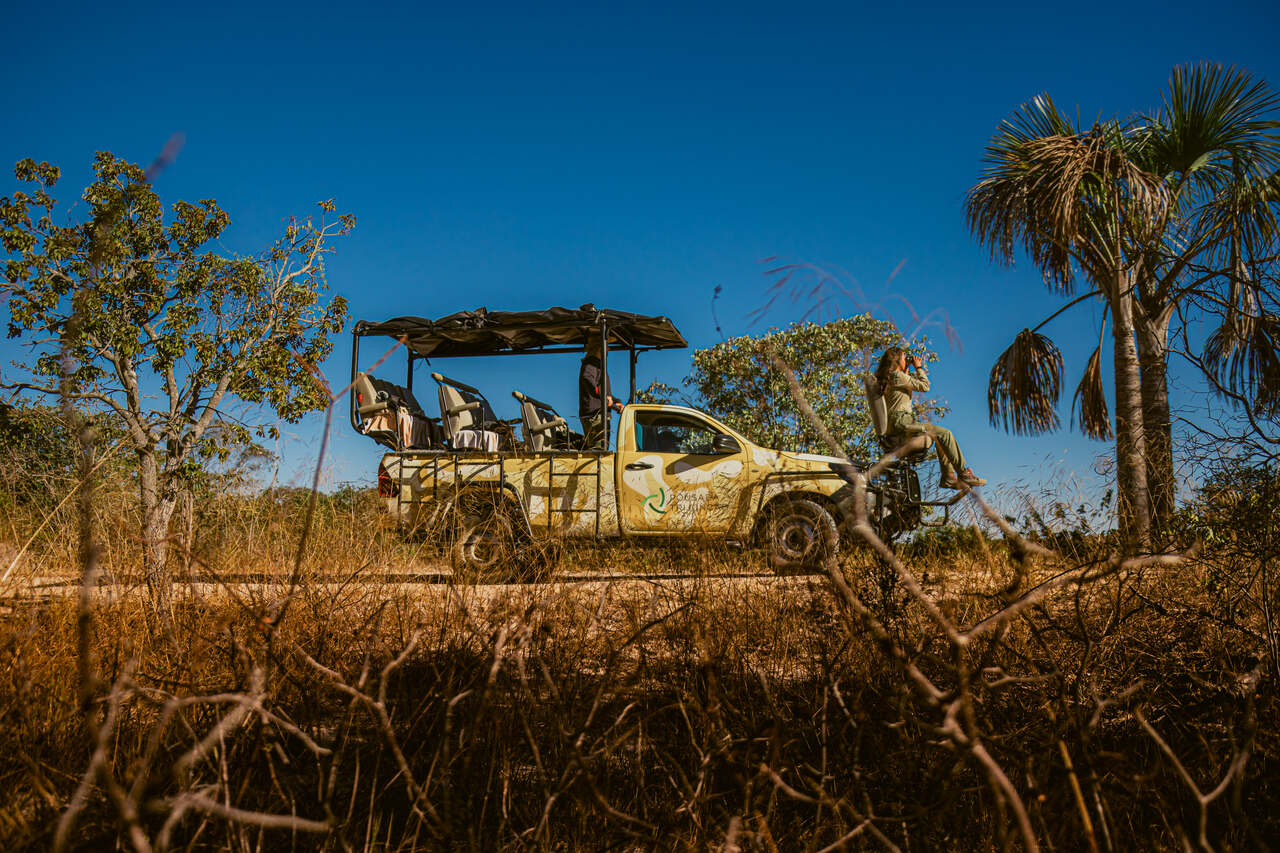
(812, 457)
(774, 458)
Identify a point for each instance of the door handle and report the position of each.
(638, 466)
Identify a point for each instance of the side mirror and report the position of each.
(725, 443)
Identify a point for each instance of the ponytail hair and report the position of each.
(888, 364)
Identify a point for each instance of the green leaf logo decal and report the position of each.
(661, 506)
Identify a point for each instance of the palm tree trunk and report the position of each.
(1153, 357)
(1134, 502)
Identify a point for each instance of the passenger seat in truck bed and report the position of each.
(391, 416)
(469, 421)
(544, 428)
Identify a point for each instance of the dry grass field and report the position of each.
(688, 701)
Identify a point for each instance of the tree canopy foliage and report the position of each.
(736, 381)
(134, 316)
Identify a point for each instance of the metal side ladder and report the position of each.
(563, 475)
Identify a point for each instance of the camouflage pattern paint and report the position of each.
(560, 492)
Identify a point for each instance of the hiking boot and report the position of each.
(951, 481)
(971, 478)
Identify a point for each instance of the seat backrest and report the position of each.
(375, 395)
(542, 424)
(379, 403)
(875, 404)
(368, 402)
(462, 407)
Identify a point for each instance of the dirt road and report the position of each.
(423, 583)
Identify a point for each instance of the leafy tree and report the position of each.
(34, 465)
(658, 392)
(1236, 514)
(1237, 507)
(138, 320)
(736, 382)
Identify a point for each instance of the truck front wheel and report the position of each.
(801, 536)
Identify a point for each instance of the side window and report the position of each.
(664, 432)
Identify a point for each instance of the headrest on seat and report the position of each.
(368, 400)
(375, 395)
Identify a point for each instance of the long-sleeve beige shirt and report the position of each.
(897, 397)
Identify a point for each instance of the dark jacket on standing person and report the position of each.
(589, 378)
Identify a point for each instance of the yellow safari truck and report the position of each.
(501, 494)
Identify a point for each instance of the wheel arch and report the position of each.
(827, 502)
(482, 497)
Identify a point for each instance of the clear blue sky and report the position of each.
(634, 156)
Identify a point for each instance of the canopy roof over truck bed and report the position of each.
(484, 332)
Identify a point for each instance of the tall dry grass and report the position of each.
(690, 709)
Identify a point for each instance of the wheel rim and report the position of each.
(487, 545)
(482, 550)
(795, 537)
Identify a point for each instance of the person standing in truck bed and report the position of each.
(591, 376)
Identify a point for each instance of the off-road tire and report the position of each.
(491, 548)
(485, 548)
(800, 535)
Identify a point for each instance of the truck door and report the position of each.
(672, 479)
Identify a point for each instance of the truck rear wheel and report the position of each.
(801, 536)
(491, 548)
(485, 548)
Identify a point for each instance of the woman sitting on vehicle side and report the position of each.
(896, 386)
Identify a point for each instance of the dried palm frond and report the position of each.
(1064, 195)
(1094, 419)
(1098, 163)
(1244, 355)
(1025, 384)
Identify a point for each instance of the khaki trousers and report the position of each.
(949, 456)
(593, 431)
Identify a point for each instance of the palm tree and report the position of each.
(1186, 219)
(1214, 142)
(1076, 201)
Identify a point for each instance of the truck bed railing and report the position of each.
(454, 463)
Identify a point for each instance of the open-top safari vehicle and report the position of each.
(502, 493)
